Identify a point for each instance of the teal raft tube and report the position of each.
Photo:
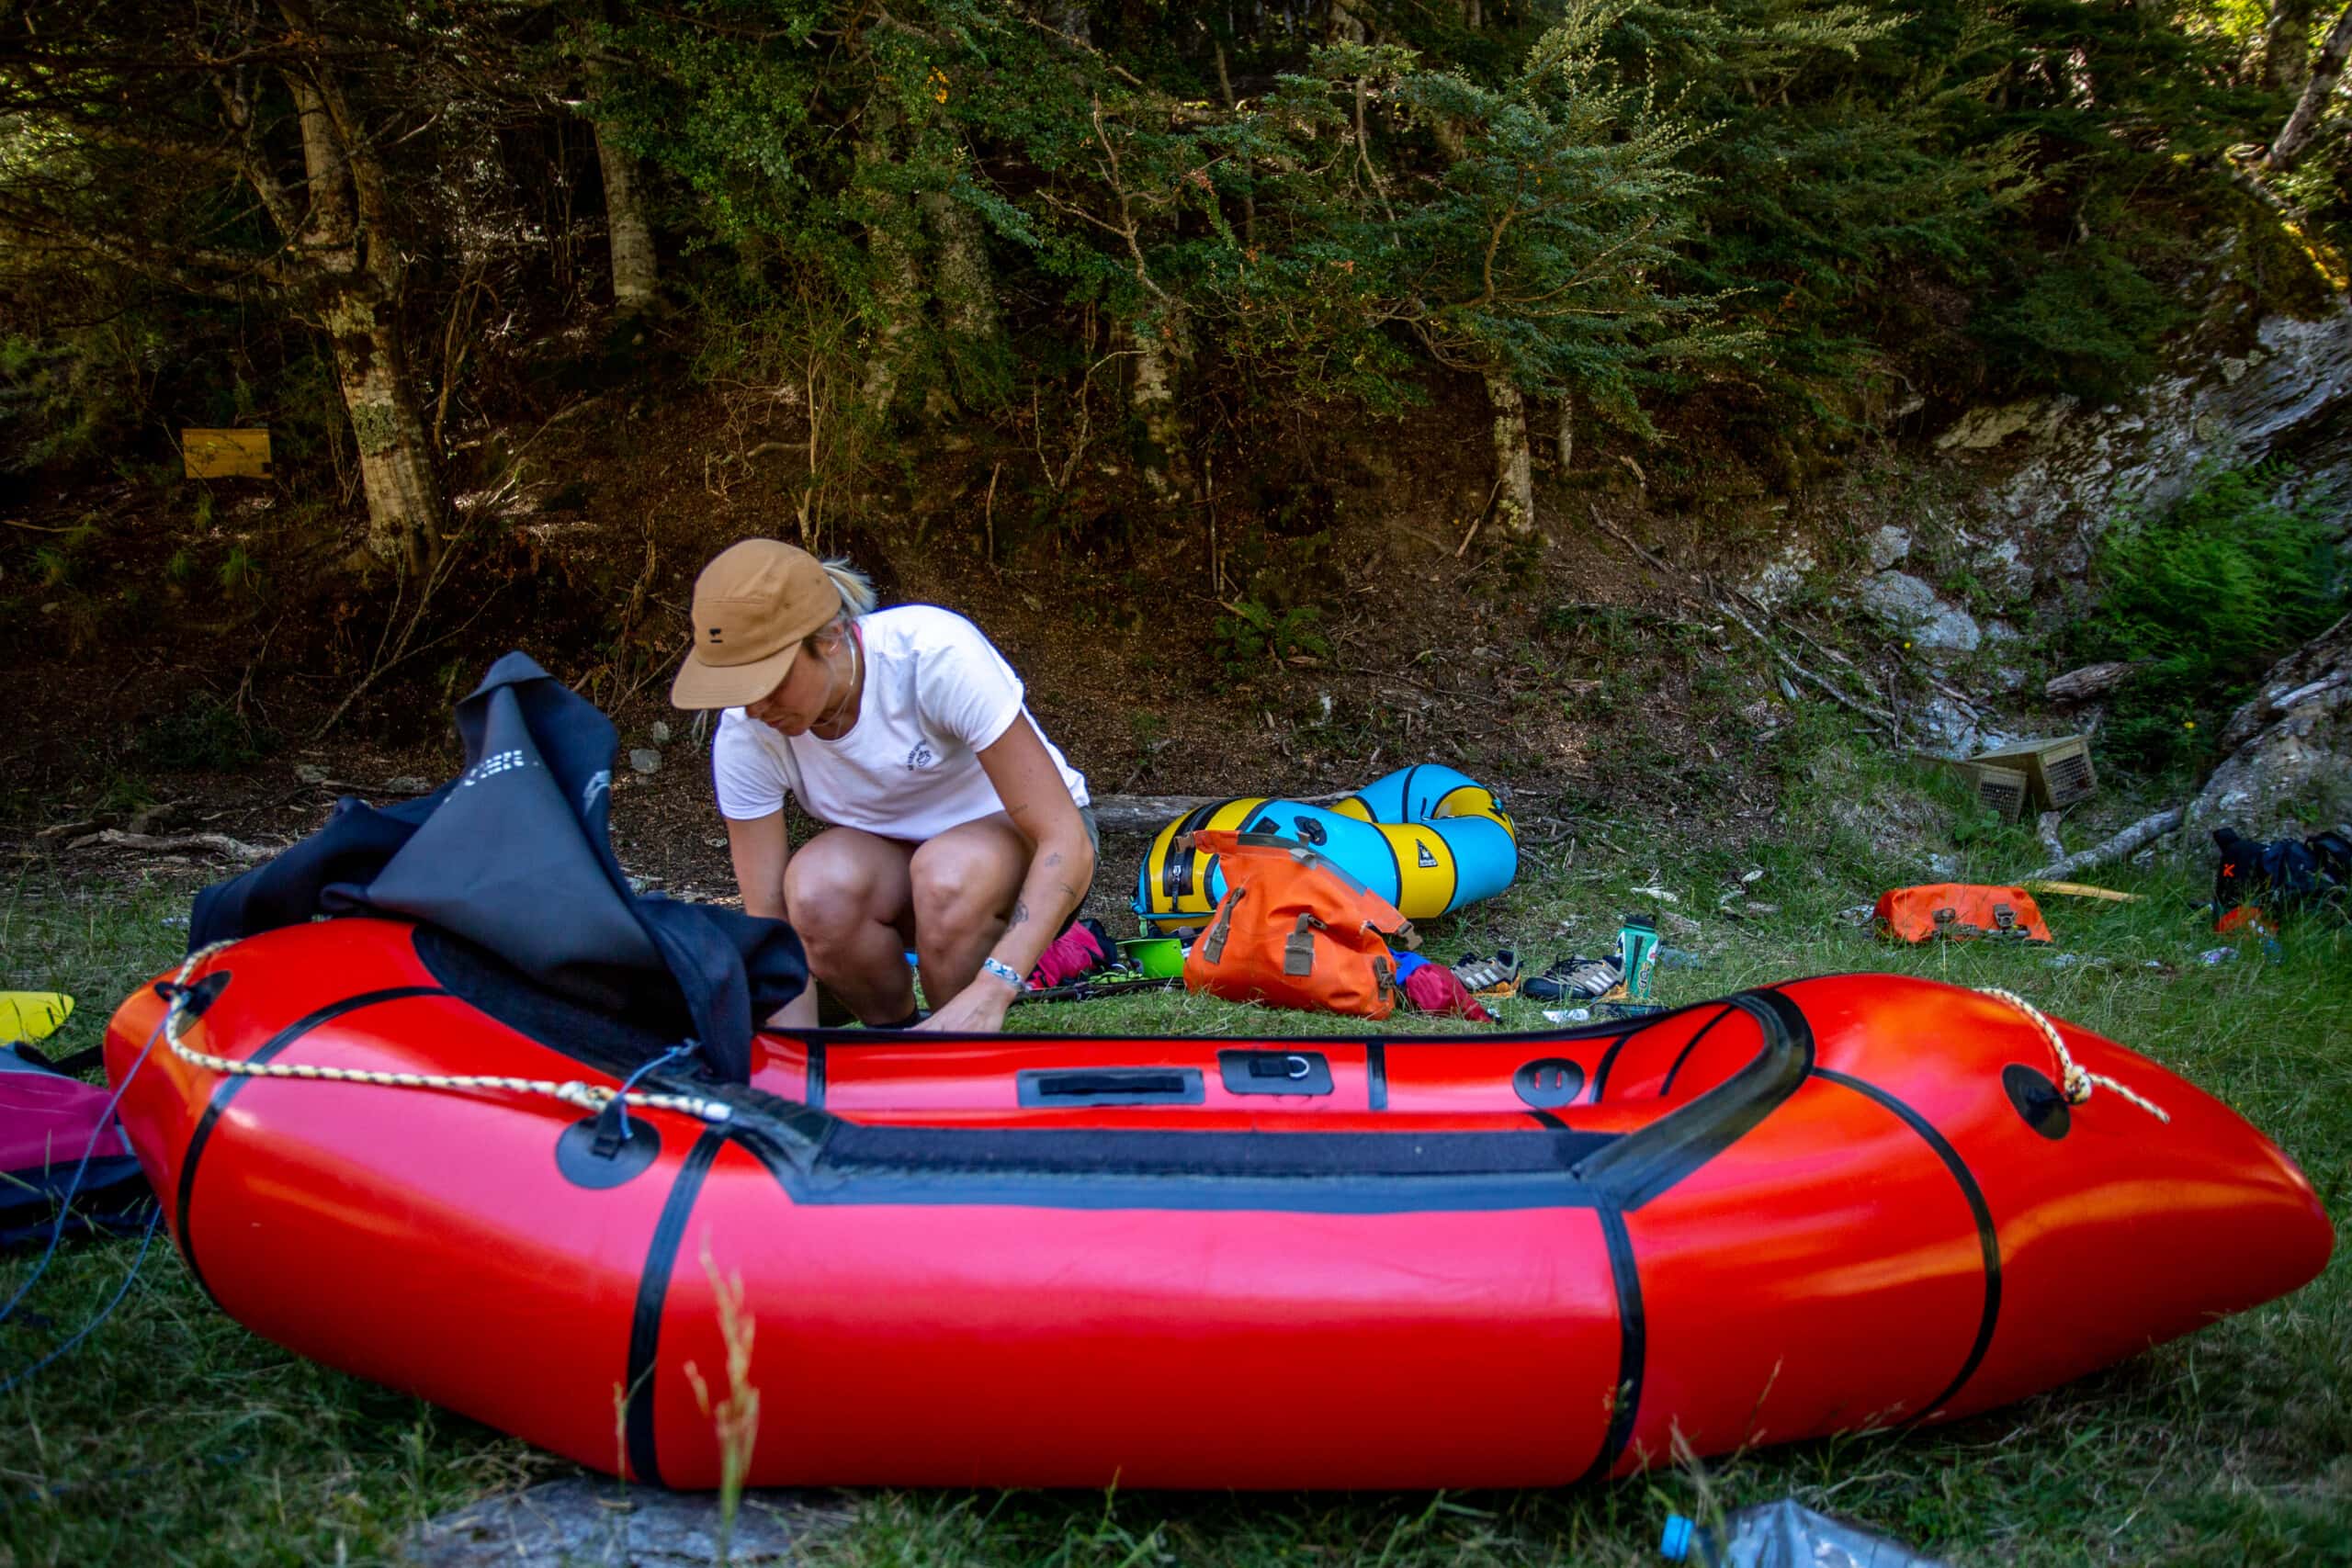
(1427, 839)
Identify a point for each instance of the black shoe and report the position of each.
(1574, 980)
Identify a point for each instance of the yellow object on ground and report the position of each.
(33, 1015)
(2080, 890)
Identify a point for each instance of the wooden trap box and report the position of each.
(225, 454)
(2058, 772)
(2003, 789)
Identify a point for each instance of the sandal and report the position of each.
(1495, 976)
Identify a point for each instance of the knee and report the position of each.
(956, 883)
(825, 898)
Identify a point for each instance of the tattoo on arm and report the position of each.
(1020, 912)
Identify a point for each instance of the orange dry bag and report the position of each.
(1960, 909)
(1294, 930)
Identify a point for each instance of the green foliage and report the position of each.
(2086, 321)
(2209, 593)
(239, 574)
(1255, 633)
(66, 395)
(203, 735)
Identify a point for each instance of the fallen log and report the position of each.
(220, 843)
(1151, 813)
(2149, 828)
(2091, 680)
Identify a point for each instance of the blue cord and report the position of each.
(64, 1210)
(73, 1188)
(620, 1098)
(155, 1217)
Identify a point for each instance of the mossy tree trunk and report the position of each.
(348, 235)
(966, 288)
(893, 254)
(1514, 505)
(2287, 45)
(635, 270)
(2303, 124)
(1160, 352)
(396, 467)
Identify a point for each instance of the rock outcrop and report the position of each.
(2290, 745)
(2290, 396)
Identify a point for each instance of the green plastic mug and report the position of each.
(1159, 956)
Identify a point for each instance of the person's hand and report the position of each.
(979, 1008)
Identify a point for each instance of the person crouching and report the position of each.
(955, 827)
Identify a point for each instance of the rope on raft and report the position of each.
(2074, 1078)
(592, 1098)
(2077, 1081)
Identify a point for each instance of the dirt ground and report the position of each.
(150, 687)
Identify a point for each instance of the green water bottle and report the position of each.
(1637, 956)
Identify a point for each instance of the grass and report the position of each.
(172, 1435)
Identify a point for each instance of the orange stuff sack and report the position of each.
(1294, 930)
(1960, 909)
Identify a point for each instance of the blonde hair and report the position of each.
(854, 586)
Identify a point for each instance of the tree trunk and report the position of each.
(2287, 45)
(326, 235)
(1568, 438)
(2300, 126)
(890, 248)
(960, 275)
(396, 466)
(1159, 350)
(635, 269)
(1514, 478)
(1068, 17)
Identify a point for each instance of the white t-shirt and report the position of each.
(936, 692)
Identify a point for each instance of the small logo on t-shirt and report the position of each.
(920, 757)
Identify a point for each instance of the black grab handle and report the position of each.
(1047, 1087)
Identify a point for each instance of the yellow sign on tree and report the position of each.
(225, 454)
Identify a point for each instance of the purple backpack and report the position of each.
(49, 1121)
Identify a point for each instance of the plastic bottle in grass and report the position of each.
(1784, 1535)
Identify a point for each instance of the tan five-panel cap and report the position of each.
(753, 604)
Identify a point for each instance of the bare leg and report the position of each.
(847, 893)
(963, 885)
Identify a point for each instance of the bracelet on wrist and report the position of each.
(1004, 972)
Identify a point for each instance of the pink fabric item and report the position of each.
(1433, 987)
(47, 1121)
(1073, 953)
